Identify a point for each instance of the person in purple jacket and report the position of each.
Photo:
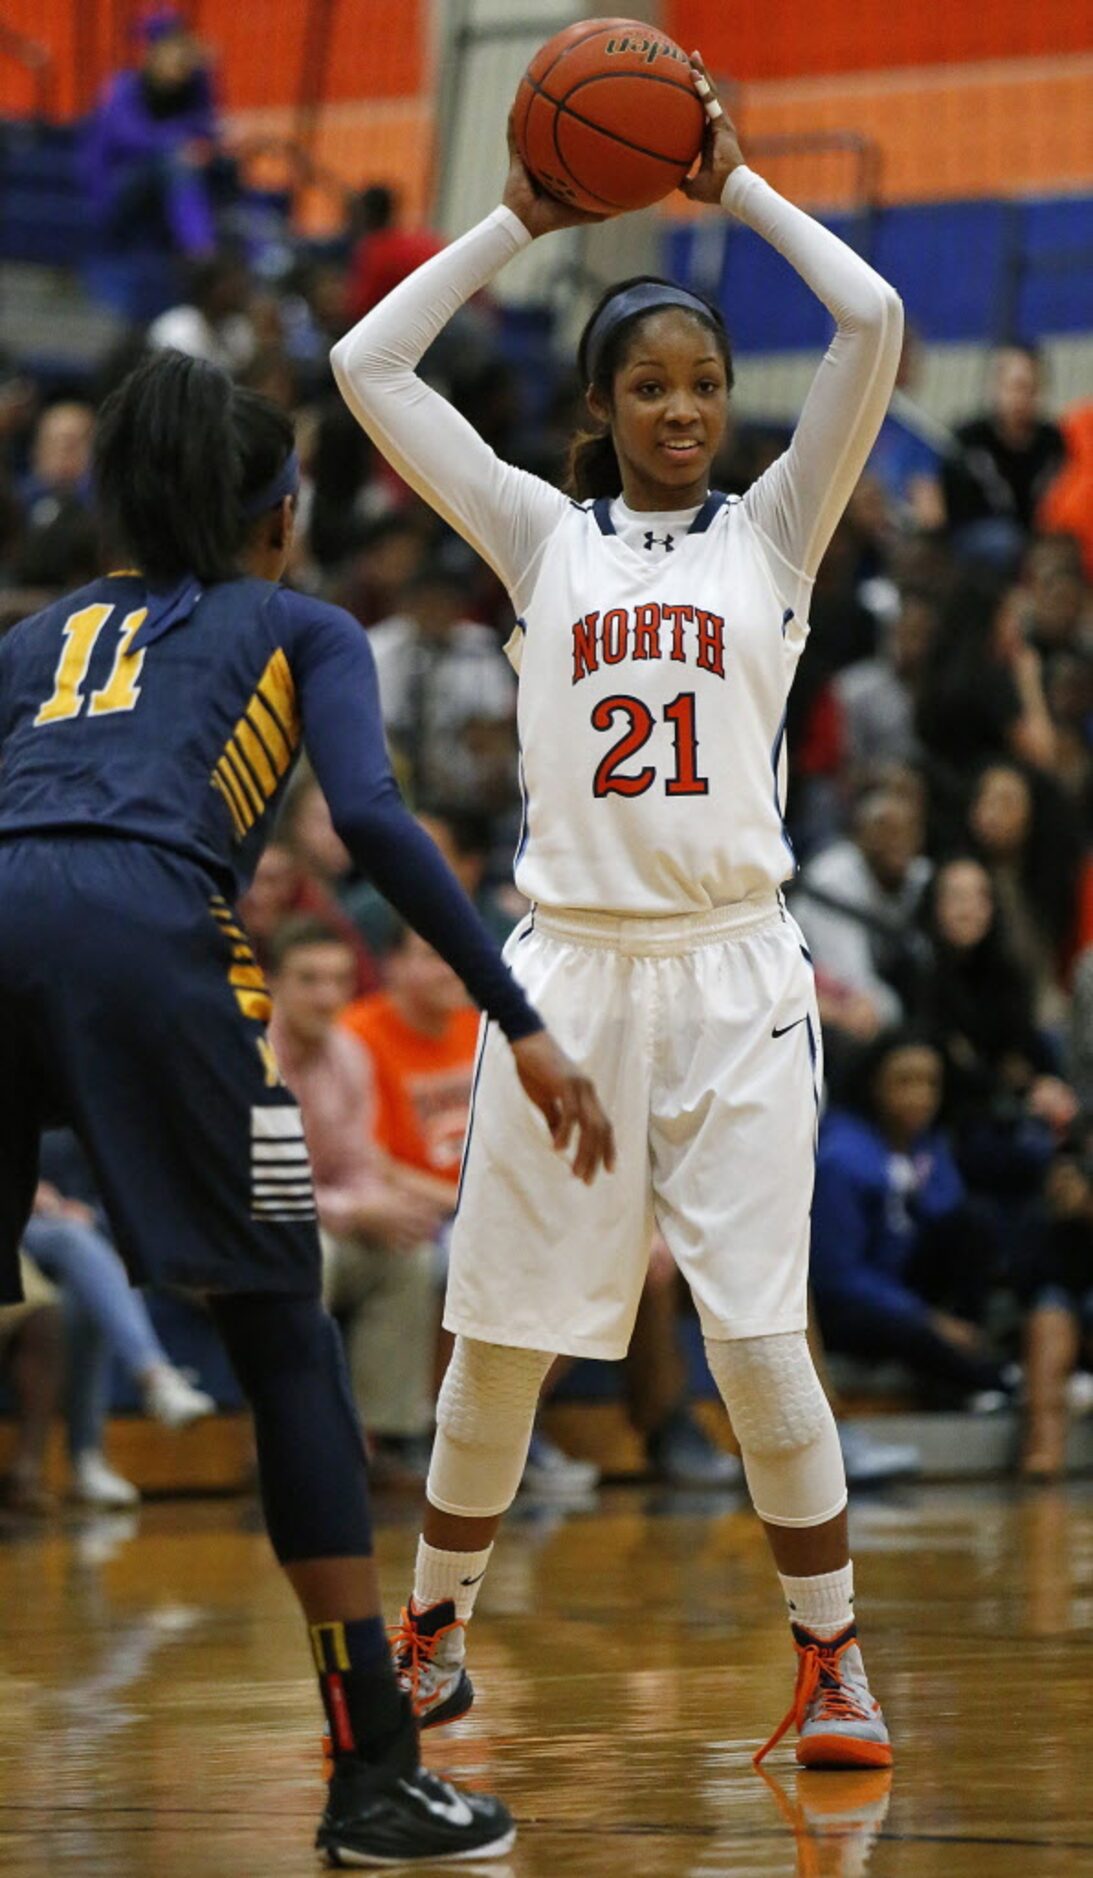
(901, 1261)
(151, 143)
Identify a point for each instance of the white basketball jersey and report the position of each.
(652, 714)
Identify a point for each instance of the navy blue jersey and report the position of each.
(187, 741)
(176, 719)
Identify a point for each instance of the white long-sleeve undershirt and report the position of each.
(508, 515)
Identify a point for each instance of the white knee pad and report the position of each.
(782, 1419)
(484, 1416)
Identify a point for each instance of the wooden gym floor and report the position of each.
(157, 1717)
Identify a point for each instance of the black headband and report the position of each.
(647, 297)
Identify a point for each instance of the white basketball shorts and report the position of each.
(702, 1037)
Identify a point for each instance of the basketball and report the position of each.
(607, 116)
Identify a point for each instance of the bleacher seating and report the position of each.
(968, 272)
(43, 212)
(44, 222)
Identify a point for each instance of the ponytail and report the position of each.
(593, 466)
(178, 451)
(168, 468)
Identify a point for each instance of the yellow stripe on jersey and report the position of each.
(244, 974)
(262, 745)
(222, 912)
(247, 975)
(237, 764)
(238, 823)
(255, 1004)
(269, 729)
(247, 739)
(278, 690)
(223, 779)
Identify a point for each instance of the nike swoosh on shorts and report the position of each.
(781, 1033)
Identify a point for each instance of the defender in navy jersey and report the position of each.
(148, 727)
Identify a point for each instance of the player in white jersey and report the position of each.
(659, 628)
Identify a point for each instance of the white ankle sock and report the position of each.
(454, 1575)
(824, 1604)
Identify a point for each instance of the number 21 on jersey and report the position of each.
(81, 635)
(612, 780)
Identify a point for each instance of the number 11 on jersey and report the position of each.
(121, 690)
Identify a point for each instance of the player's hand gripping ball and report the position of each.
(607, 116)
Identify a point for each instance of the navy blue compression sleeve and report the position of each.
(335, 676)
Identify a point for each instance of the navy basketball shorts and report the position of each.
(132, 1010)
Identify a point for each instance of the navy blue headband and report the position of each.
(647, 297)
(285, 483)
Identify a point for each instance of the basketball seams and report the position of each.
(596, 78)
(561, 108)
(577, 61)
(598, 26)
(590, 194)
(650, 78)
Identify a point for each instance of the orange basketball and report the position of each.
(607, 116)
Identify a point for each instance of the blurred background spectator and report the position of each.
(1056, 1285)
(60, 463)
(1004, 461)
(1067, 505)
(377, 1228)
(152, 163)
(910, 451)
(856, 903)
(448, 696)
(105, 1320)
(421, 1035)
(32, 1366)
(385, 250)
(213, 322)
(902, 1265)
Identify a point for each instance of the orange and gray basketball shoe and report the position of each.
(429, 1649)
(838, 1720)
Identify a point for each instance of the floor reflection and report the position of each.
(158, 1719)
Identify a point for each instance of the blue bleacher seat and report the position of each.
(969, 272)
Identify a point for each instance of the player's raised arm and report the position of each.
(343, 730)
(799, 500)
(504, 513)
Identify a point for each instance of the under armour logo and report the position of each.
(662, 541)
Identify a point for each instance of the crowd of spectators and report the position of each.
(941, 747)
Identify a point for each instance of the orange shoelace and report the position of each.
(413, 1652)
(818, 1667)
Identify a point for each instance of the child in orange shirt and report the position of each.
(420, 1033)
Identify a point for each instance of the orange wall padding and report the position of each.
(795, 37)
(51, 23)
(942, 135)
(377, 48)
